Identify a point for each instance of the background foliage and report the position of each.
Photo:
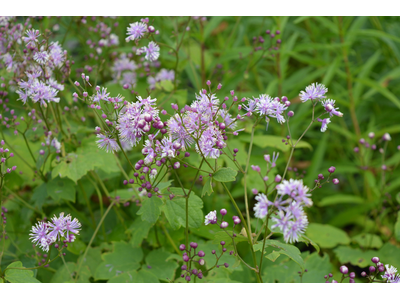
(357, 58)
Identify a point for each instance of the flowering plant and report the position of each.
(122, 162)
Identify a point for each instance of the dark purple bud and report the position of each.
(193, 245)
(185, 258)
(363, 274)
(331, 169)
(213, 252)
(372, 269)
(375, 260)
(352, 275)
(223, 212)
(201, 253)
(226, 265)
(344, 270)
(182, 247)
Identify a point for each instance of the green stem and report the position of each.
(92, 239)
(246, 228)
(171, 241)
(23, 201)
(87, 203)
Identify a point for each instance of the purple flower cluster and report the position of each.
(46, 233)
(291, 218)
(391, 274)
(39, 91)
(267, 106)
(197, 124)
(316, 92)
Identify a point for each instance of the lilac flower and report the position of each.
(152, 51)
(122, 64)
(267, 158)
(37, 90)
(31, 38)
(271, 108)
(8, 61)
(165, 74)
(329, 106)
(57, 227)
(313, 91)
(101, 95)
(324, 123)
(251, 106)
(44, 234)
(292, 227)
(71, 227)
(135, 31)
(211, 218)
(295, 189)
(41, 57)
(39, 232)
(390, 274)
(261, 207)
(167, 147)
(107, 143)
(57, 55)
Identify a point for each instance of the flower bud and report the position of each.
(224, 225)
(182, 247)
(372, 269)
(375, 260)
(223, 212)
(344, 270)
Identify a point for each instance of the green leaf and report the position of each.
(273, 255)
(123, 258)
(143, 276)
(289, 250)
(165, 85)
(367, 240)
(61, 188)
(317, 267)
(92, 260)
(397, 228)
(207, 188)
(77, 247)
(327, 236)
(139, 231)
(39, 195)
(151, 209)
(356, 257)
(307, 240)
(158, 265)
(87, 158)
(225, 175)
(340, 199)
(64, 273)
(264, 141)
(380, 89)
(175, 210)
(19, 276)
